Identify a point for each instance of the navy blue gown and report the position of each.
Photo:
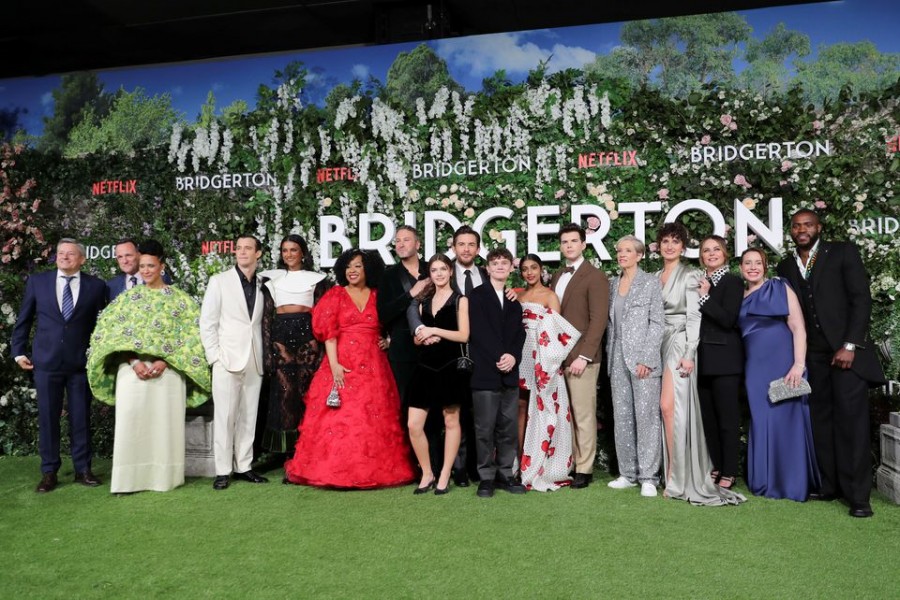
(781, 461)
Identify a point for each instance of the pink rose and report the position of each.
(559, 194)
(663, 193)
(593, 223)
(742, 181)
(786, 165)
(819, 204)
(653, 247)
(516, 262)
(817, 125)
(732, 126)
(725, 119)
(705, 140)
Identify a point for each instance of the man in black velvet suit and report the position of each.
(62, 305)
(833, 286)
(399, 284)
(495, 346)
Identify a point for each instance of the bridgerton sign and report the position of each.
(540, 227)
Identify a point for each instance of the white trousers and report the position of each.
(236, 402)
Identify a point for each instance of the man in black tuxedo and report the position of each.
(833, 286)
(128, 258)
(495, 346)
(466, 277)
(399, 284)
(65, 303)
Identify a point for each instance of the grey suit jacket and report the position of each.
(643, 323)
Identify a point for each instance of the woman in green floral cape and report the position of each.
(146, 358)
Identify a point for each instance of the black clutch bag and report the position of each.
(779, 390)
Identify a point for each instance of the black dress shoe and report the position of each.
(822, 497)
(461, 479)
(485, 489)
(582, 480)
(220, 482)
(47, 484)
(510, 485)
(441, 491)
(861, 511)
(251, 476)
(87, 478)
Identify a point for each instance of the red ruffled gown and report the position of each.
(361, 444)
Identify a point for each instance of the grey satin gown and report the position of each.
(689, 478)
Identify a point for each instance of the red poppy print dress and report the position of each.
(547, 456)
(360, 444)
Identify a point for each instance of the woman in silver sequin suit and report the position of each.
(634, 339)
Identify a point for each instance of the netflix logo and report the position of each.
(123, 186)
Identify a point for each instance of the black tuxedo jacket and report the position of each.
(494, 331)
(392, 302)
(721, 350)
(843, 301)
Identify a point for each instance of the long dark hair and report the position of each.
(306, 262)
(536, 259)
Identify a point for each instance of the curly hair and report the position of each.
(674, 230)
(373, 266)
(306, 261)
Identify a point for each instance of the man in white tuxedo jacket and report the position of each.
(231, 332)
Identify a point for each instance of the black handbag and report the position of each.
(464, 364)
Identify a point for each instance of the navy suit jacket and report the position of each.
(116, 285)
(58, 346)
(494, 331)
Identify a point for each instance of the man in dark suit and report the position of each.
(128, 258)
(583, 292)
(495, 346)
(833, 287)
(466, 277)
(399, 284)
(65, 303)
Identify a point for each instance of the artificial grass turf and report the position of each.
(277, 541)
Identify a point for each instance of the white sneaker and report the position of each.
(621, 483)
(648, 490)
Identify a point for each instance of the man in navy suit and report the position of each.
(833, 287)
(128, 258)
(495, 346)
(65, 303)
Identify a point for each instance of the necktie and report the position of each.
(569, 270)
(133, 281)
(68, 302)
(468, 283)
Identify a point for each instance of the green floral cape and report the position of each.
(153, 323)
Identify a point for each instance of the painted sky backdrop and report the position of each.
(470, 59)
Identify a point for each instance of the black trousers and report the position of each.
(496, 420)
(721, 413)
(839, 412)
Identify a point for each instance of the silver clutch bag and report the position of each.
(779, 390)
(334, 399)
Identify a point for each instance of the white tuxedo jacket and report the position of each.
(229, 335)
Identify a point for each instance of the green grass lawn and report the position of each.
(278, 541)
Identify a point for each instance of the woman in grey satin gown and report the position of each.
(686, 461)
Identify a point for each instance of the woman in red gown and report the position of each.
(359, 444)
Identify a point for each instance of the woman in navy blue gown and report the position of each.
(781, 462)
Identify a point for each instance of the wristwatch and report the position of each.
(850, 347)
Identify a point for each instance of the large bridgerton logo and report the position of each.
(541, 229)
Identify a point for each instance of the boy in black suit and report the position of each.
(495, 346)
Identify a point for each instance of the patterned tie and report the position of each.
(68, 301)
(133, 281)
(468, 284)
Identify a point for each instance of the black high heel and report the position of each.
(439, 491)
(426, 488)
